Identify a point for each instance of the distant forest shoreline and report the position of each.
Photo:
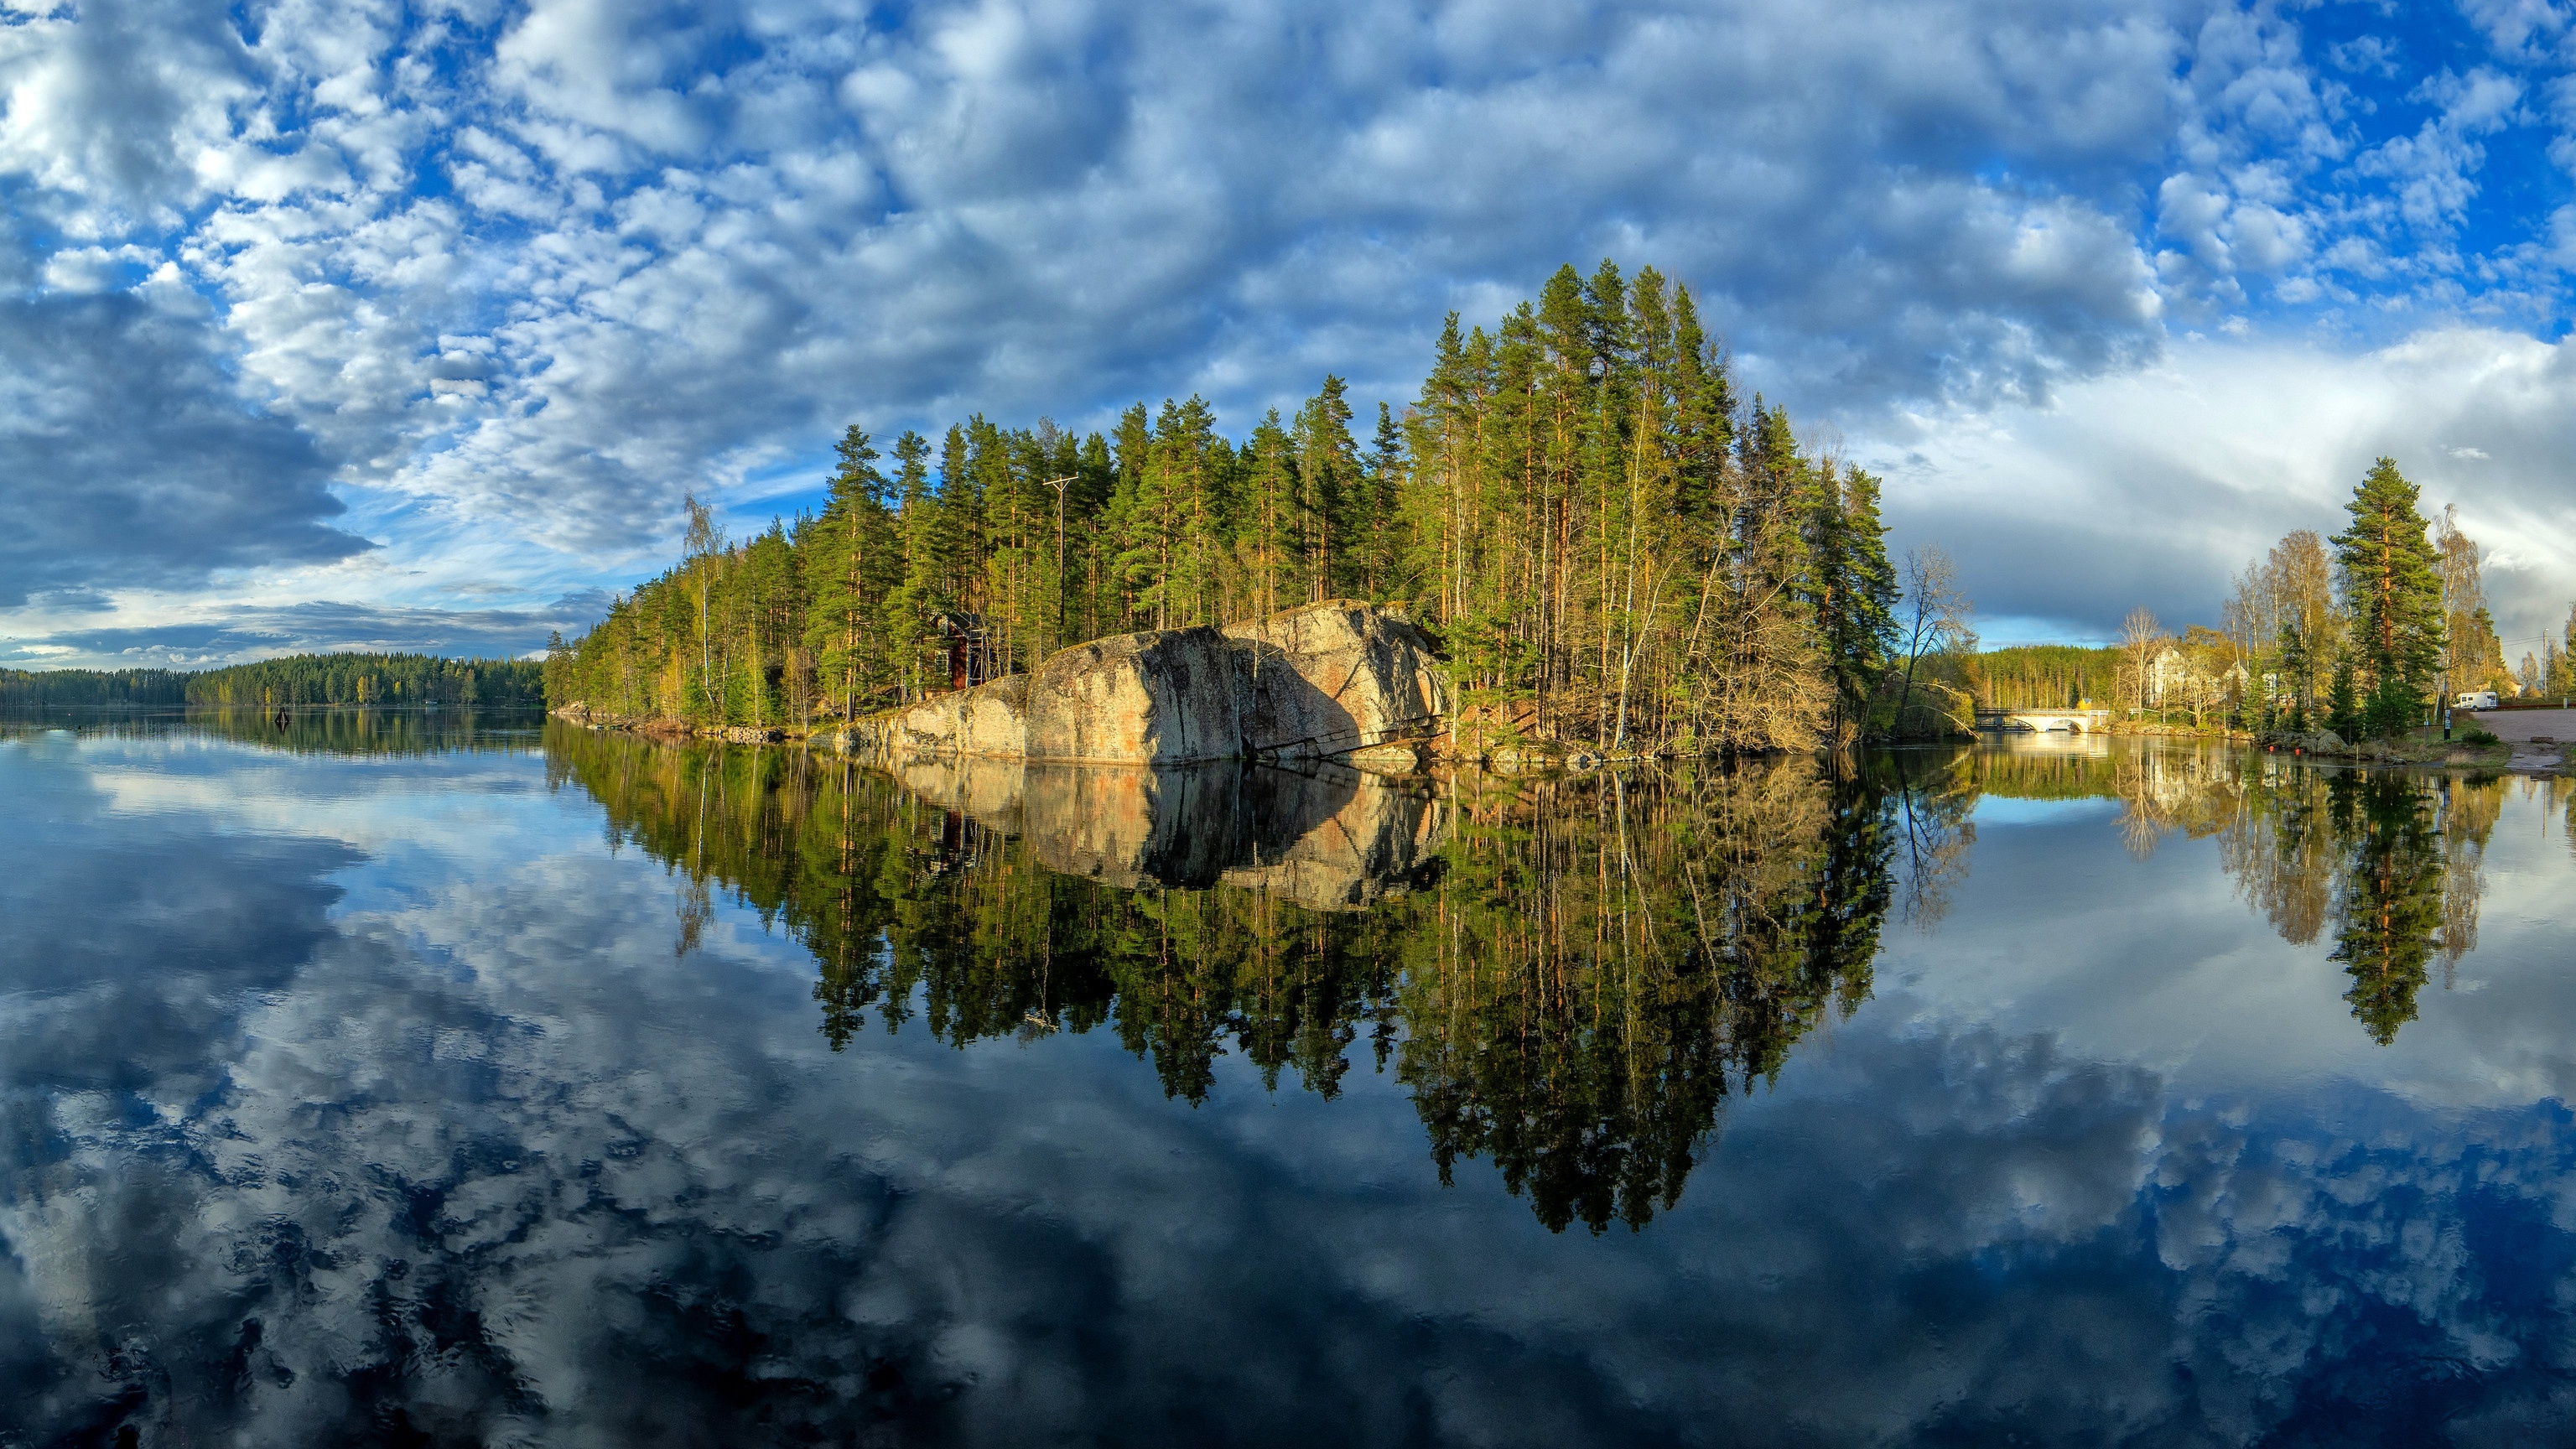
(368, 681)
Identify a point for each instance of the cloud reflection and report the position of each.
(488, 1163)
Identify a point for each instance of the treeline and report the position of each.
(381, 681)
(1579, 504)
(92, 688)
(2042, 676)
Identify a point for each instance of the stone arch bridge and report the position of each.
(2078, 721)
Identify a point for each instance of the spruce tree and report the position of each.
(1384, 483)
(1853, 590)
(2343, 702)
(2299, 671)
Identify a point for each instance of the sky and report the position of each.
(371, 325)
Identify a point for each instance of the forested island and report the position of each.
(1600, 532)
(377, 681)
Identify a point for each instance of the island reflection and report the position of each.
(486, 1163)
(1569, 978)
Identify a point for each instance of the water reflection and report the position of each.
(310, 1140)
(1569, 978)
(306, 730)
(2385, 866)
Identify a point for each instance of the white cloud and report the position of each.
(687, 243)
(2154, 486)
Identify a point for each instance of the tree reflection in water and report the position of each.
(1568, 977)
(2389, 865)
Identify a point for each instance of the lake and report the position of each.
(393, 1079)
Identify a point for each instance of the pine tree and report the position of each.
(855, 559)
(2394, 584)
(1328, 472)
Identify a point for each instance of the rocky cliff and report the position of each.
(1334, 677)
(1322, 680)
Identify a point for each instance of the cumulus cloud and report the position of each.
(131, 462)
(2154, 487)
(539, 267)
(228, 634)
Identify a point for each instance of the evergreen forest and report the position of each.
(2042, 676)
(376, 681)
(92, 688)
(1580, 506)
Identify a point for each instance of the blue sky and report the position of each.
(406, 326)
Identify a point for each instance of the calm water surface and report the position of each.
(381, 1081)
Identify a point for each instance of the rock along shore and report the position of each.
(1334, 679)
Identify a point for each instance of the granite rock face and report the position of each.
(988, 720)
(1319, 681)
(1165, 698)
(1334, 677)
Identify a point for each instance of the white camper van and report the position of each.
(2476, 699)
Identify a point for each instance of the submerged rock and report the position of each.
(1396, 757)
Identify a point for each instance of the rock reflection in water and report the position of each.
(1570, 978)
(1324, 837)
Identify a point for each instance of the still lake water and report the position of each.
(381, 1081)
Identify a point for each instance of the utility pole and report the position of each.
(1059, 485)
